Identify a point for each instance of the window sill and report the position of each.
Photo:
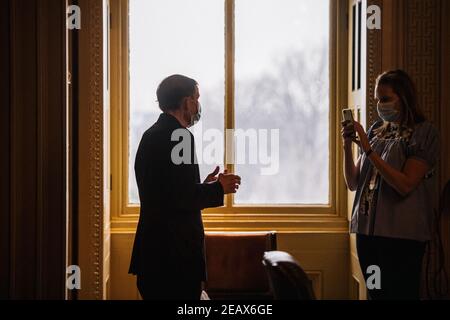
(280, 223)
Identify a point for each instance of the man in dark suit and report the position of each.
(168, 254)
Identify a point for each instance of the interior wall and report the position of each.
(323, 256)
(32, 138)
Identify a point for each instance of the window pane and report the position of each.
(175, 37)
(282, 82)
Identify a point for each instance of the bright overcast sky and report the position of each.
(187, 37)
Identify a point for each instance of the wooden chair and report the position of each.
(234, 266)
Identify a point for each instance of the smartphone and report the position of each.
(347, 115)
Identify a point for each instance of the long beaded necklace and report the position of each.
(393, 132)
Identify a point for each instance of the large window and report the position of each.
(263, 68)
(282, 82)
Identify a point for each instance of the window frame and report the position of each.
(233, 216)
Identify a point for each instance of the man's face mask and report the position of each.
(388, 111)
(196, 116)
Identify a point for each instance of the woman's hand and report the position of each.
(363, 139)
(351, 171)
(348, 134)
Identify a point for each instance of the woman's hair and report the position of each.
(403, 86)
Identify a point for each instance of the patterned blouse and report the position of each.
(369, 196)
(378, 209)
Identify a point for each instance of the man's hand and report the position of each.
(212, 176)
(230, 182)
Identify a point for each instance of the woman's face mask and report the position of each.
(388, 104)
(388, 111)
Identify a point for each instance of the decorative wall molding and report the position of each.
(96, 142)
(423, 51)
(374, 66)
(91, 146)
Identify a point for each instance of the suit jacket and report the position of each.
(169, 239)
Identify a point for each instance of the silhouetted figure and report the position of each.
(168, 253)
(394, 181)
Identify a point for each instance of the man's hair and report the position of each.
(172, 90)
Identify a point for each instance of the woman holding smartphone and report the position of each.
(393, 180)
